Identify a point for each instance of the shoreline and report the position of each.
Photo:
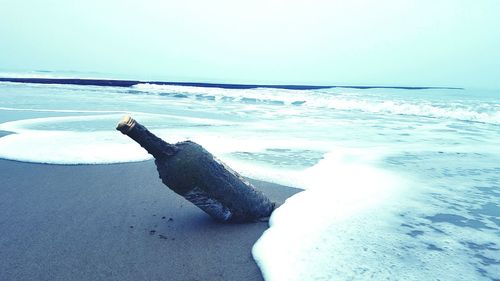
(116, 222)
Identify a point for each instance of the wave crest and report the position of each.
(337, 99)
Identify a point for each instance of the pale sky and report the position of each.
(385, 42)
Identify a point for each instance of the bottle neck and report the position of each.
(153, 144)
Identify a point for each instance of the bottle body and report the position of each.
(194, 173)
(208, 183)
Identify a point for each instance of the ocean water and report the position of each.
(398, 184)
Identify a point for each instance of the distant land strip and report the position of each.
(129, 83)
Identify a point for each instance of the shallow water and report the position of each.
(400, 184)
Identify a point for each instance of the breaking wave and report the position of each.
(342, 100)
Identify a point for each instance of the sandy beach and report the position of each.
(115, 222)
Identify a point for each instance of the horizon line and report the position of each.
(129, 83)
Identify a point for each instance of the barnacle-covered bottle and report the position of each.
(194, 173)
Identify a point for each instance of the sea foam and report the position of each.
(91, 139)
(342, 187)
(348, 224)
(29, 144)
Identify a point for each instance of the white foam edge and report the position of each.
(344, 185)
(19, 126)
(73, 147)
(56, 147)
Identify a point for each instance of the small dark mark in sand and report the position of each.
(131, 226)
(162, 218)
(152, 232)
(170, 219)
(162, 236)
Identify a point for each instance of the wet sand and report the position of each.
(115, 222)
